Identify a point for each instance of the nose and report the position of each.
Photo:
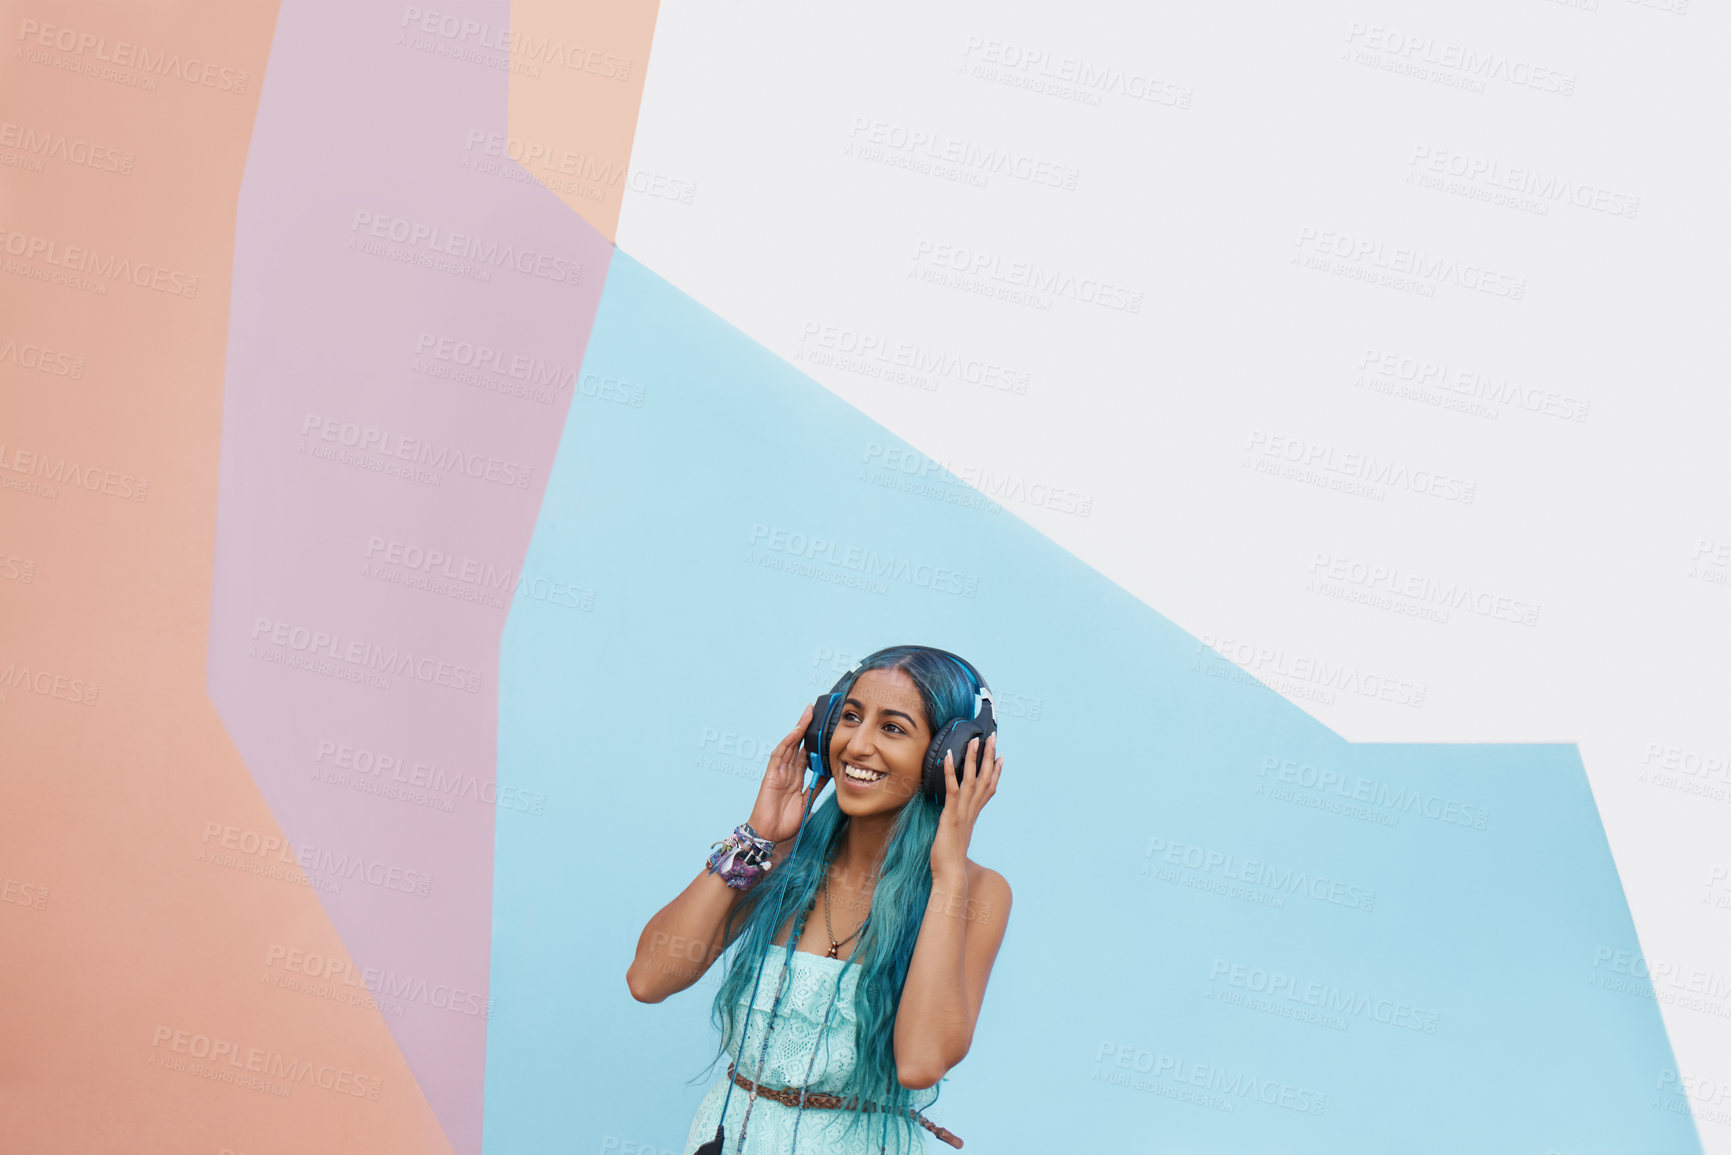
(858, 747)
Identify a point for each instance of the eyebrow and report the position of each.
(899, 713)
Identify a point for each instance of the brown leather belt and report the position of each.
(790, 1096)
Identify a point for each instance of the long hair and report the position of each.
(898, 906)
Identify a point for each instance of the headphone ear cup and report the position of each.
(835, 702)
(932, 769)
(818, 732)
(954, 738)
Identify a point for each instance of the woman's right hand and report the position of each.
(782, 797)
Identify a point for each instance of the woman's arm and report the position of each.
(959, 935)
(684, 938)
(946, 982)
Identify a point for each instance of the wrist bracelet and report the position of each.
(742, 858)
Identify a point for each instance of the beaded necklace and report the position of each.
(714, 1146)
(769, 1030)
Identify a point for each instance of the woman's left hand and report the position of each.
(962, 804)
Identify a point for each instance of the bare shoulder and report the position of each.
(988, 891)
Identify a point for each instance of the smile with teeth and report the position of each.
(856, 774)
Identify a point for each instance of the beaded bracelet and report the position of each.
(742, 858)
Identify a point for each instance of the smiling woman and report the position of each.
(859, 1020)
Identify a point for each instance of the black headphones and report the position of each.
(952, 738)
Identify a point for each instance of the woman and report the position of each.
(850, 1020)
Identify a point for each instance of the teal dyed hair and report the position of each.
(898, 907)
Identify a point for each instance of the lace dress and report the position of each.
(797, 1040)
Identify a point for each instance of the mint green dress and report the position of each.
(798, 1044)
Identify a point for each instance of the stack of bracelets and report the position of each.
(742, 858)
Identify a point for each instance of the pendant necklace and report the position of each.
(835, 945)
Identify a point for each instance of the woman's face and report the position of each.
(879, 744)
